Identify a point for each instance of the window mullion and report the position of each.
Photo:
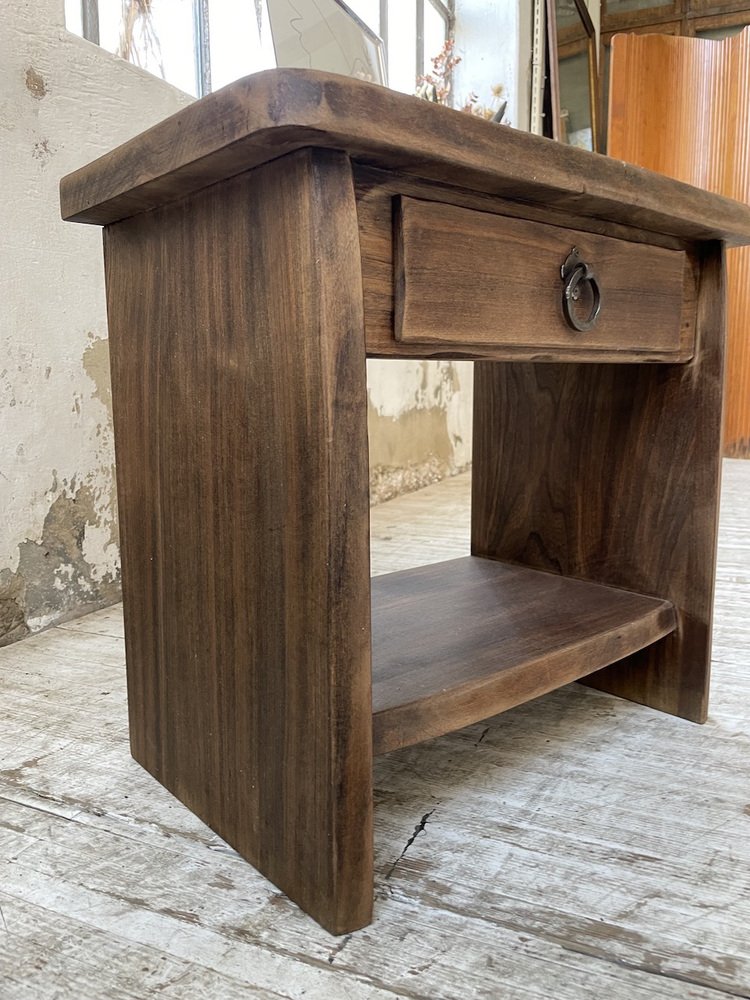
(90, 20)
(384, 25)
(202, 47)
(420, 37)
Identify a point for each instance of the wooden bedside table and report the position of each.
(258, 246)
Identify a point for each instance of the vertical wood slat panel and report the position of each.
(238, 360)
(681, 106)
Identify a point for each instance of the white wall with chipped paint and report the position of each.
(420, 412)
(419, 423)
(63, 101)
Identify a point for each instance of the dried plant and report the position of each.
(493, 111)
(138, 39)
(436, 86)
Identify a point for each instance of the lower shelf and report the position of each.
(460, 641)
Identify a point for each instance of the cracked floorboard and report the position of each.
(575, 848)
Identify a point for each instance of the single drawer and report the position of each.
(471, 279)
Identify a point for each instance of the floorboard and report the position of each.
(575, 847)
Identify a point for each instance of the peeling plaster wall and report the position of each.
(420, 412)
(63, 102)
(419, 423)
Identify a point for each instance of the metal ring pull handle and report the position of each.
(574, 272)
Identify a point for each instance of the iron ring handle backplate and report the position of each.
(574, 272)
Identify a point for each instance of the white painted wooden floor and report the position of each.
(577, 847)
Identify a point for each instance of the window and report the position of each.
(158, 35)
(201, 45)
(413, 32)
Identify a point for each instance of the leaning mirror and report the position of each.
(327, 35)
(573, 78)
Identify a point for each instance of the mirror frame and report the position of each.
(553, 129)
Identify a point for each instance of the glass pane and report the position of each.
(575, 106)
(567, 16)
(614, 7)
(110, 16)
(74, 16)
(236, 44)
(156, 35)
(434, 35)
(606, 62)
(727, 31)
(402, 45)
(324, 35)
(368, 10)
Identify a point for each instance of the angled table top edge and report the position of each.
(266, 115)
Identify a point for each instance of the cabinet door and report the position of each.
(627, 14)
(719, 26)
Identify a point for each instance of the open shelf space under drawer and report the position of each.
(460, 641)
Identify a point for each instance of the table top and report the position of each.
(266, 115)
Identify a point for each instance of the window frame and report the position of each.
(445, 8)
(202, 22)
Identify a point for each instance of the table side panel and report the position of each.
(238, 369)
(610, 473)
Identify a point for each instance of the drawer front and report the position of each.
(471, 279)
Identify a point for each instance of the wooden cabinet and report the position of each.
(258, 246)
(621, 15)
(680, 17)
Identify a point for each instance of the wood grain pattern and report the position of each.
(474, 278)
(459, 641)
(242, 478)
(610, 473)
(261, 117)
(702, 138)
(599, 848)
(376, 192)
(237, 314)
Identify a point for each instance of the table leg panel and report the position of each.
(238, 361)
(610, 473)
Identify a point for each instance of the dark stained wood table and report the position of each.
(259, 245)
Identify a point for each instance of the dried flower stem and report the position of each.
(436, 86)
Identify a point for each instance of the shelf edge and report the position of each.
(395, 728)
